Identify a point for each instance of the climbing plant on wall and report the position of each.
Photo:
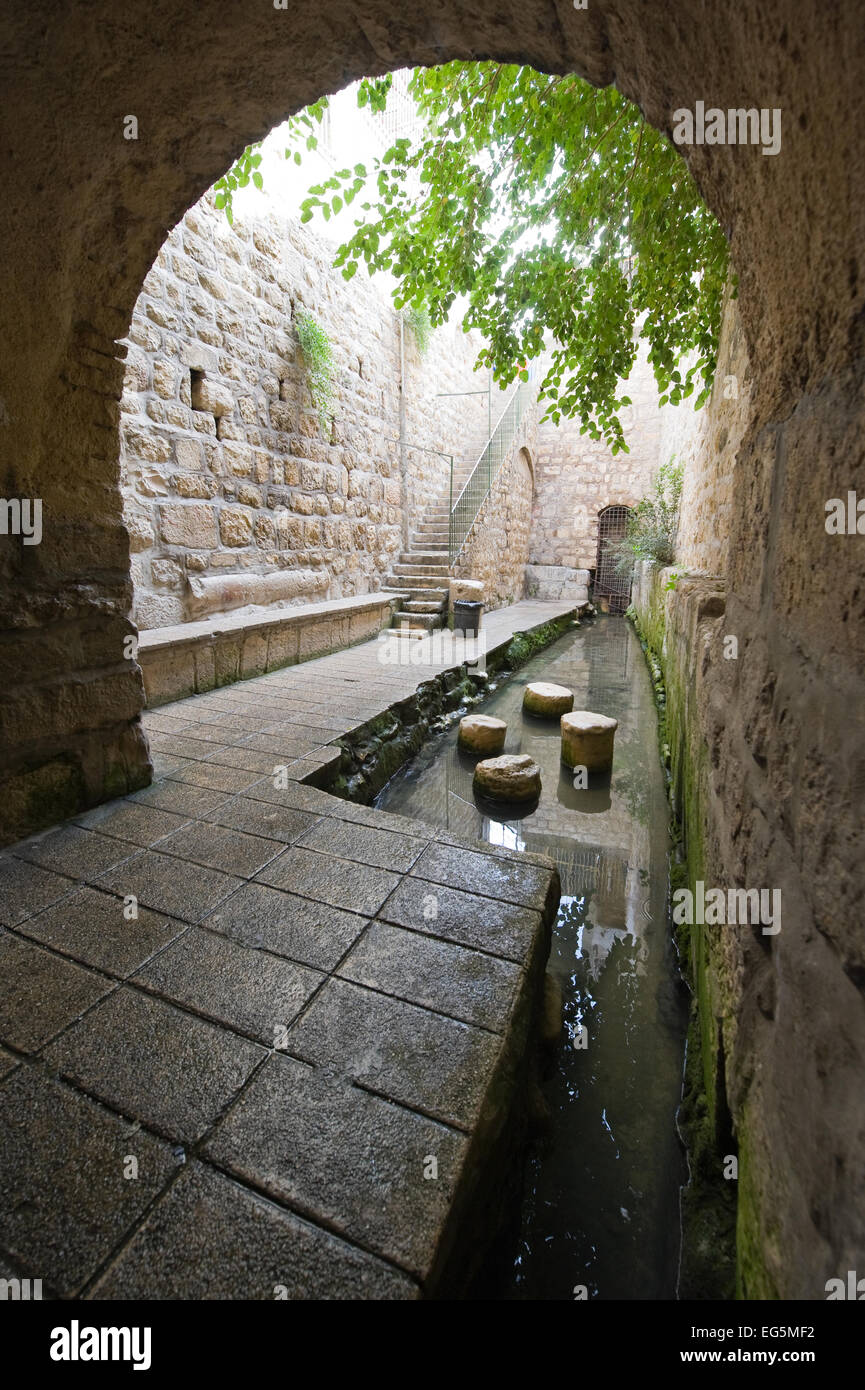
(417, 319)
(653, 523)
(556, 217)
(318, 361)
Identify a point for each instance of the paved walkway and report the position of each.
(254, 1037)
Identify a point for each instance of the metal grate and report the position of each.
(610, 586)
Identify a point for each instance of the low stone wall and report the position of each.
(193, 657)
(557, 582)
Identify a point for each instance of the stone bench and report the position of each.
(194, 657)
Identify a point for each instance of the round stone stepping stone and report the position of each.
(587, 740)
(512, 777)
(481, 733)
(547, 700)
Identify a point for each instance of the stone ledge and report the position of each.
(191, 658)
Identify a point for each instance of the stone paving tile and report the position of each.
(147, 1059)
(26, 889)
(449, 979)
(382, 820)
(180, 798)
(217, 847)
(502, 929)
(208, 1238)
(64, 1199)
(503, 879)
(212, 731)
(7, 1062)
(40, 994)
(326, 879)
(422, 1059)
(382, 848)
(214, 777)
(261, 818)
(90, 927)
(155, 880)
(294, 795)
(298, 928)
(80, 854)
(140, 825)
(282, 746)
(170, 744)
(234, 755)
(353, 1160)
(246, 989)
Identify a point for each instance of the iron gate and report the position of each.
(609, 585)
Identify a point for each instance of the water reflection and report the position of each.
(601, 1193)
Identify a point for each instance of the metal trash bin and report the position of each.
(467, 615)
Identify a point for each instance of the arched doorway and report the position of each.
(612, 589)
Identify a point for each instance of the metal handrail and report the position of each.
(476, 488)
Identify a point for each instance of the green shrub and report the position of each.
(653, 524)
(418, 320)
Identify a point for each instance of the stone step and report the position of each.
(428, 621)
(417, 588)
(421, 606)
(432, 557)
(413, 569)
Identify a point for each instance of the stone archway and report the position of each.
(85, 210)
(90, 207)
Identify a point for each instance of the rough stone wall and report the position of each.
(497, 547)
(577, 476)
(786, 742)
(228, 474)
(707, 442)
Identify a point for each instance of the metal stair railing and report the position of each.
(464, 508)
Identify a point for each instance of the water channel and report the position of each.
(600, 1208)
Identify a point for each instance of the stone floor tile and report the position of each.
(90, 926)
(246, 989)
(264, 818)
(465, 984)
(26, 889)
(353, 1160)
(217, 847)
(503, 879)
(214, 777)
(281, 746)
(431, 1063)
(140, 825)
(298, 797)
(367, 844)
(502, 929)
(170, 745)
(208, 1238)
(324, 878)
(236, 755)
(181, 798)
(159, 882)
(147, 1059)
(65, 1199)
(298, 928)
(80, 854)
(40, 994)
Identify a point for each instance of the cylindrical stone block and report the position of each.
(481, 733)
(513, 777)
(587, 740)
(546, 700)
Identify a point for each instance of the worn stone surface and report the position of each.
(587, 740)
(208, 1238)
(512, 777)
(547, 700)
(481, 733)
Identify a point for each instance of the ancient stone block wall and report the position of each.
(577, 477)
(497, 546)
(228, 474)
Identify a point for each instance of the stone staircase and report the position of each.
(422, 574)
